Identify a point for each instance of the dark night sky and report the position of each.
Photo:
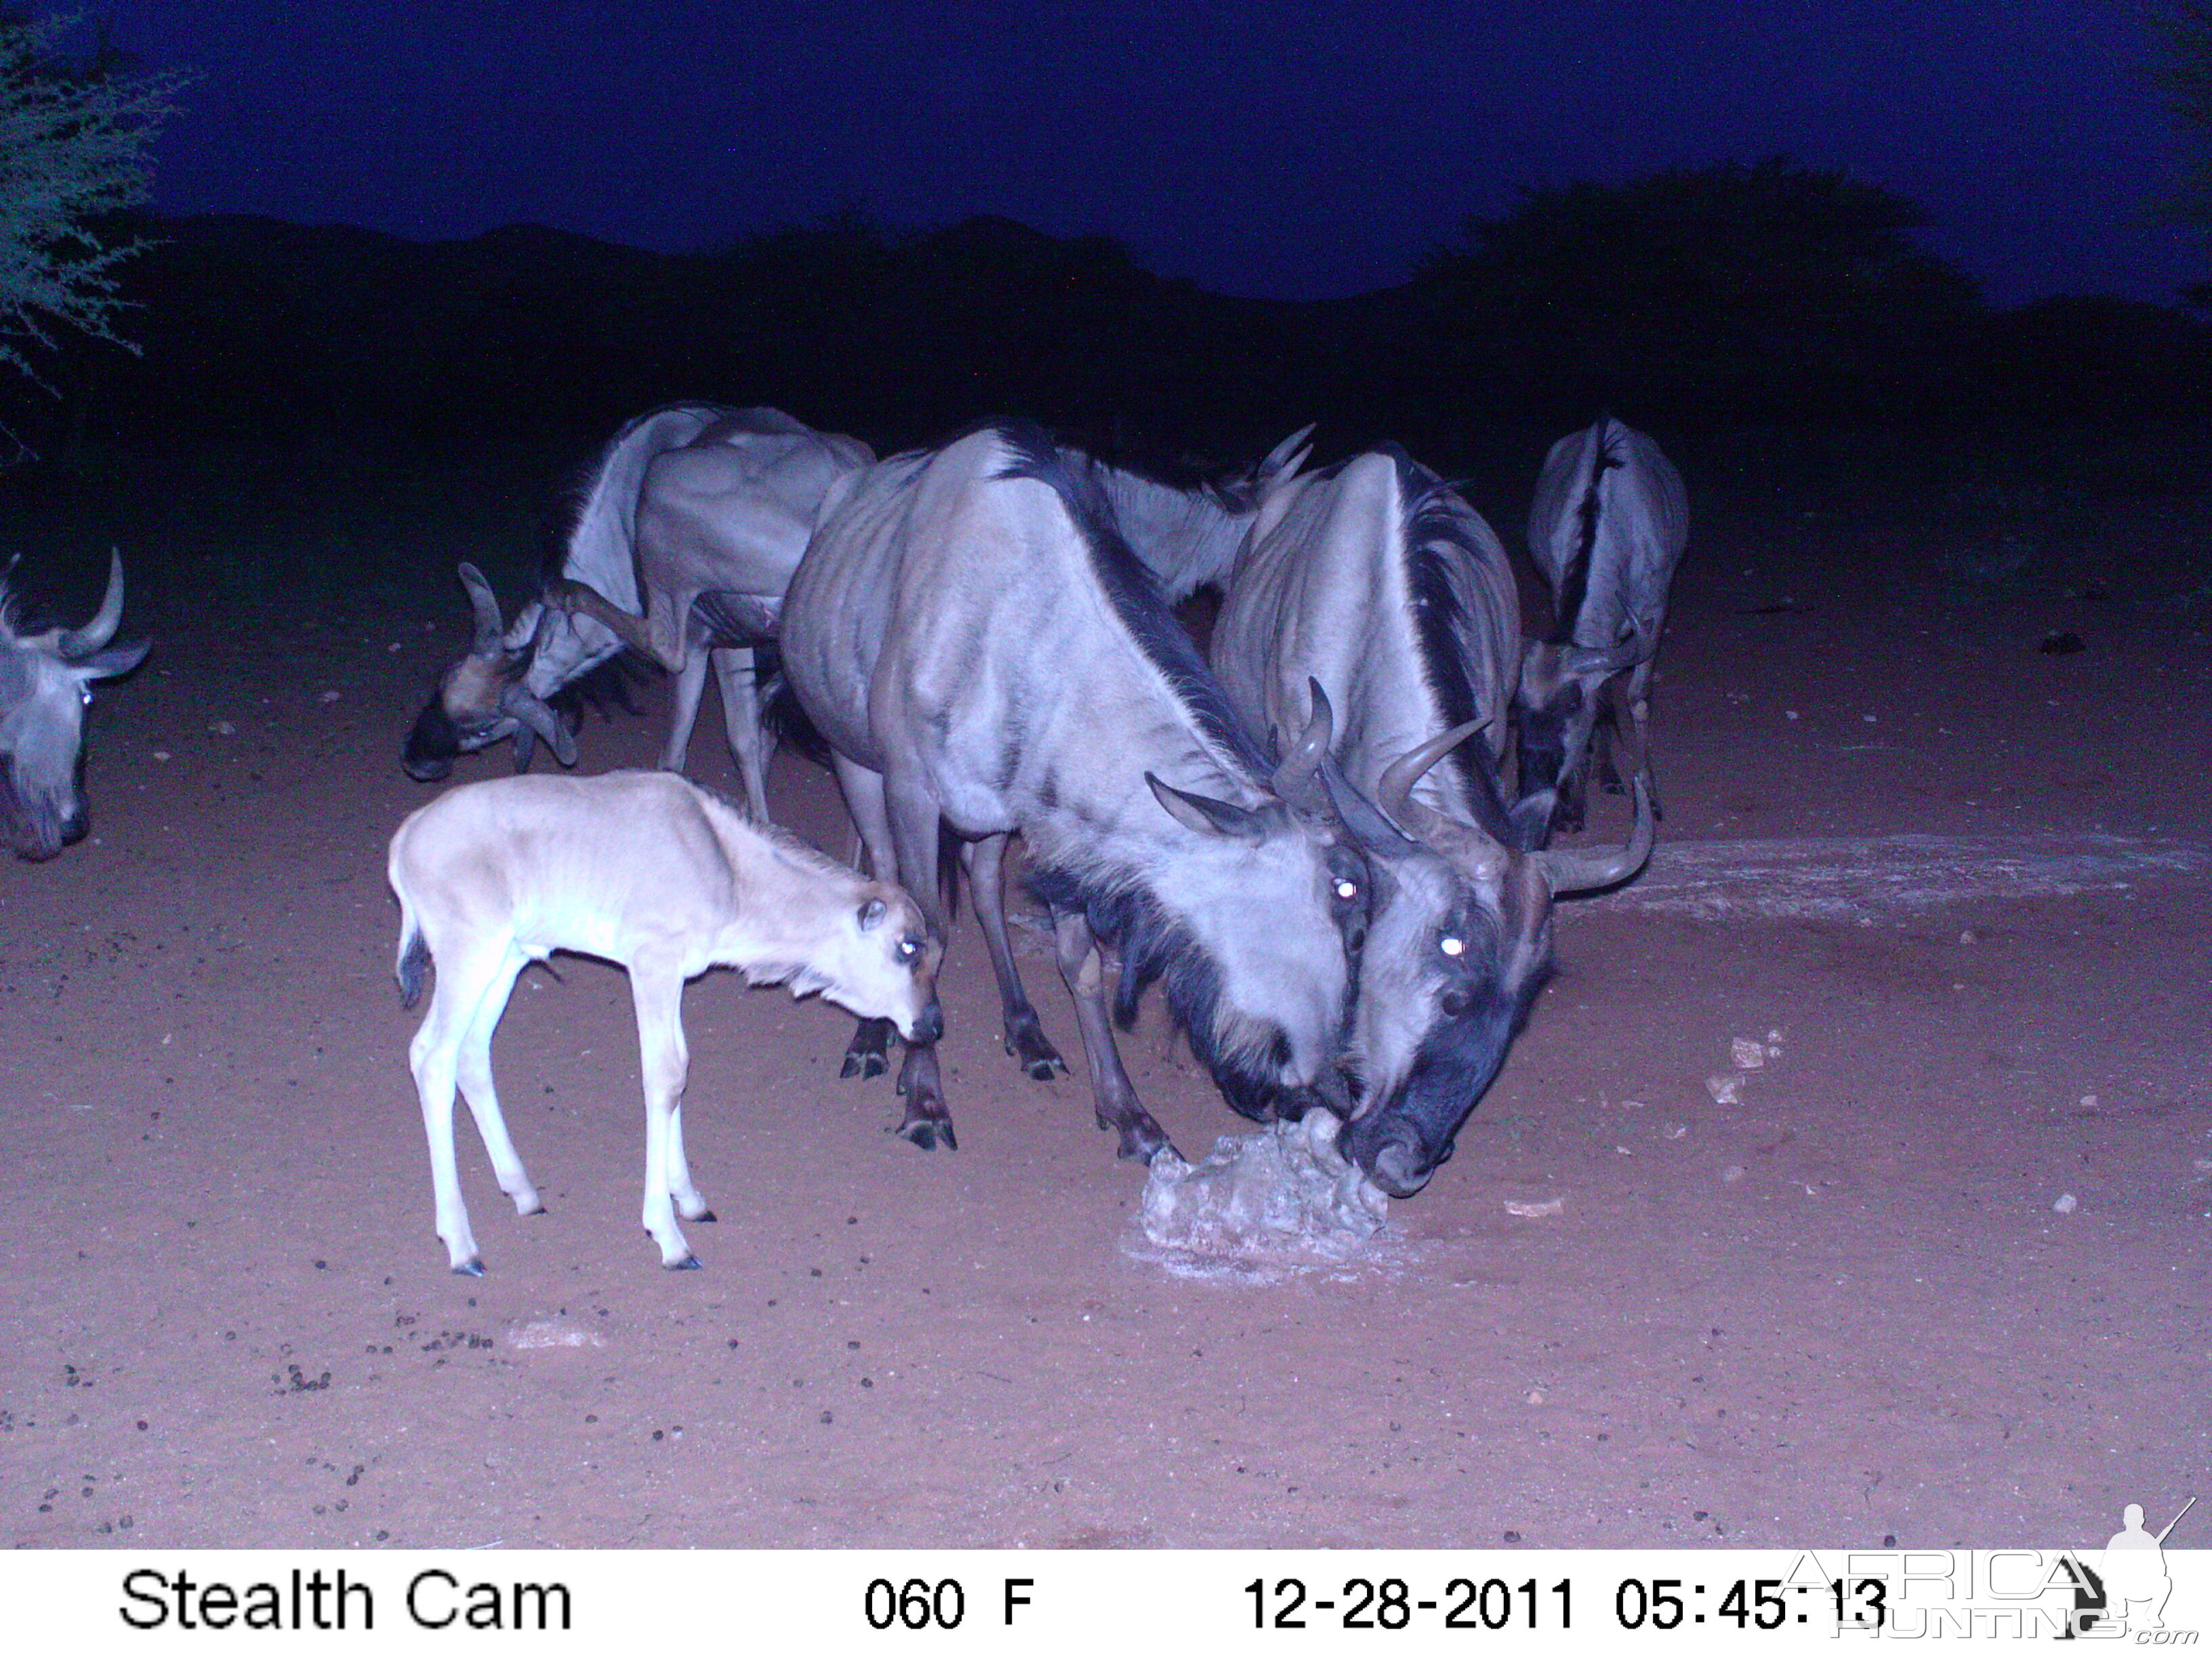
(1285, 150)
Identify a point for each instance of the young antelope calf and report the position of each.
(649, 871)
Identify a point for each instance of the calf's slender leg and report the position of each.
(473, 1066)
(463, 975)
(657, 989)
(690, 1203)
(1117, 1105)
(1024, 1033)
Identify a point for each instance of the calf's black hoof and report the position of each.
(690, 1264)
(472, 1268)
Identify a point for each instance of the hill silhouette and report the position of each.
(260, 332)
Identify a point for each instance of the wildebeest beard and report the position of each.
(1153, 945)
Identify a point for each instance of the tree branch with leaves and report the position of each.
(76, 158)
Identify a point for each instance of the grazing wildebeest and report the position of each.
(46, 682)
(709, 509)
(649, 871)
(1607, 527)
(1377, 580)
(979, 645)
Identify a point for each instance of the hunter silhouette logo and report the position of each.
(2127, 1590)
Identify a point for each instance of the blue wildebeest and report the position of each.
(46, 682)
(1607, 527)
(975, 640)
(1377, 581)
(709, 509)
(656, 874)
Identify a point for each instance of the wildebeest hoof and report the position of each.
(540, 1210)
(863, 1063)
(1039, 1058)
(472, 1268)
(703, 1215)
(924, 1133)
(690, 1264)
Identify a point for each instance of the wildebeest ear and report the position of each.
(1204, 815)
(108, 663)
(872, 913)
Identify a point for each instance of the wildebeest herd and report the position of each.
(1327, 840)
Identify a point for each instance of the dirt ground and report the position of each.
(1937, 1275)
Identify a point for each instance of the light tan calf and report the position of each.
(649, 871)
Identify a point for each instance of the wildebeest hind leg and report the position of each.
(869, 1053)
(1024, 1033)
(913, 816)
(1118, 1107)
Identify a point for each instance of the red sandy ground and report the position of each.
(227, 1321)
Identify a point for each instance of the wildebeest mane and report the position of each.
(1434, 525)
(1130, 589)
(1153, 945)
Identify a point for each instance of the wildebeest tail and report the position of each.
(1597, 456)
(784, 721)
(414, 956)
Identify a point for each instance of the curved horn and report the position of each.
(1371, 829)
(1577, 660)
(76, 642)
(541, 722)
(485, 605)
(1286, 457)
(1293, 779)
(1466, 845)
(1584, 873)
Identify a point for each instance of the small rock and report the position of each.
(2066, 1204)
(160, 754)
(328, 696)
(223, 729)
(1748, 1054)
(1723, 1087)
(1535, 1396)
(1528, 1209)
(1732, 1173)
(2089, 1100)
(2064, 643)
(1676, 1131)
(1967, 936)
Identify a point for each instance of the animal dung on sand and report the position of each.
(1286, 1188)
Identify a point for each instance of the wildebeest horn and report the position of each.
(485, 605)
(1286, 457)
(75, 643)
(1576, 660)
(1584, 873)
(541, 721)
(1293, 780)
(626, 626)
(1374, 832)
(1464, 845)
(1204, 814)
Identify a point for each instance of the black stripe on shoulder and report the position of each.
(1130, 587)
